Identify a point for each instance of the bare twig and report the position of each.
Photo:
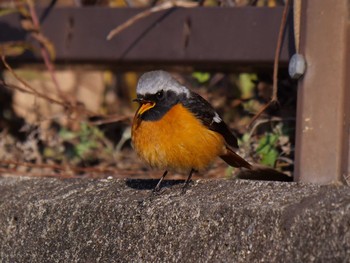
(25, 84)
(275, 119)
(289, 161)
(106, 118)
(111, 119)
(15, 87)
(32, 24)
(31, 90)
(257, 115)
(164, 6)
(274, 98)
(278, 51)
(43, 49)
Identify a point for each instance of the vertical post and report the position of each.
(323, 114)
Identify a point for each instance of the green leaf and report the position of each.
(49, 152)
(270, 157)
(267, 149)
(66, 134)
(228, 172)
(246, 84)
(201, 77)
(84, 148)
(266, 142)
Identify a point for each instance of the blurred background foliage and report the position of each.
(90, 136)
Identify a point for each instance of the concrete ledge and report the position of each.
(50, 220)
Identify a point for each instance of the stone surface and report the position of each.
(79, 220)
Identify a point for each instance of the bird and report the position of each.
(175, 129)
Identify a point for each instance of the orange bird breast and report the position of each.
(177, 142)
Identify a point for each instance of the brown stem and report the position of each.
(274, 98)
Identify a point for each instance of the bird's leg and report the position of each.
(188, 180)
(157, 188)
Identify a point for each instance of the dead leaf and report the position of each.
(47, 44)
(11, 49)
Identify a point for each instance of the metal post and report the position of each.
(322, 139)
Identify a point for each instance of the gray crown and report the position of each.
(154, 81)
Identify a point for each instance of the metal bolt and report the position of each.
(297, 66)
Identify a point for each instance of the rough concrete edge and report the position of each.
(82, 220)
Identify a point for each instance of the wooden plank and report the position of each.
(220, 38)
(322, 146)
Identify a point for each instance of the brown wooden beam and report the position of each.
(240, 38)
(322, 146)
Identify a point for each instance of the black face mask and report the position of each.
(164, 101)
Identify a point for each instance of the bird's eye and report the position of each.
(160, 94)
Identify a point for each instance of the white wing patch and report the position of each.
(217, 118)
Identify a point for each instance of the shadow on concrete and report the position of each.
(149, 184)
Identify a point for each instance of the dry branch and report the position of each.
(77, 108)
(111, 119)
(29, 88)
(274, 98)
(45, 47)
(164, 6)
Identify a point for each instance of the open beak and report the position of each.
(145, 105)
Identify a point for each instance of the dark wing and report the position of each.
(209, 117)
